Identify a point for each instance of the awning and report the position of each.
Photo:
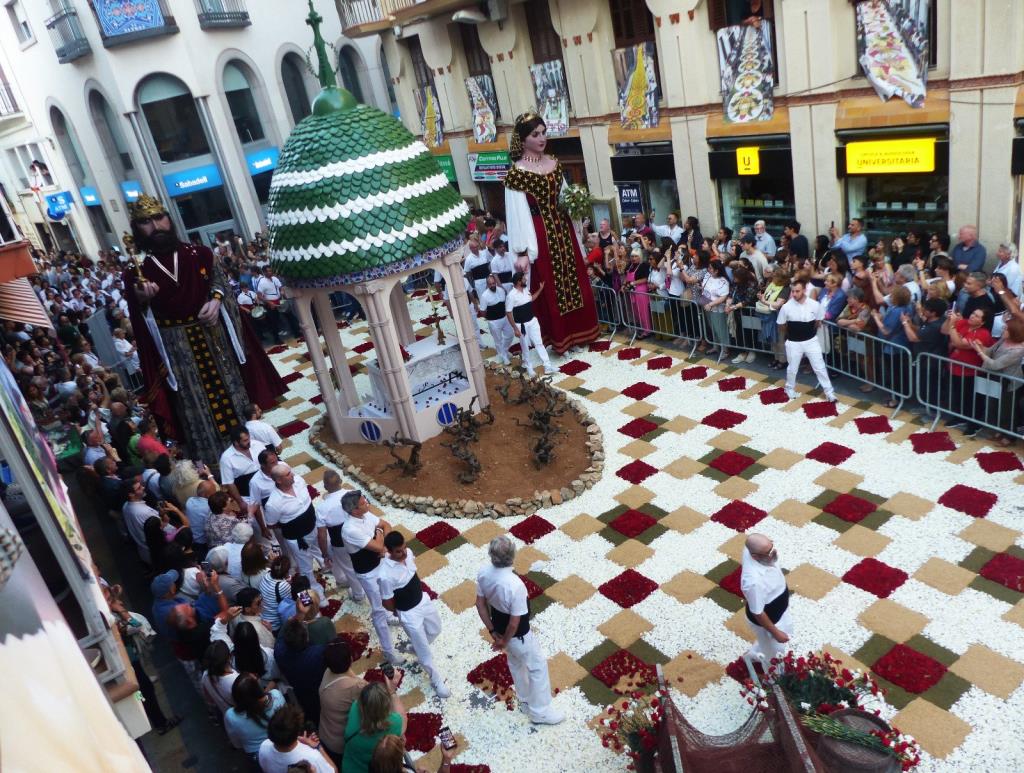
(19, 303)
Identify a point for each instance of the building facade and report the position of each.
(188, 100)
(687, 160)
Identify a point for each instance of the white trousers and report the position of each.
(533, 338)
(766, 648)
(529, 670)
(422, 624)
(378, 615)
(502, 335)
(304, 562)
(811, 348)
(344, 574)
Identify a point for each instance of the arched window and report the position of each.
(238, 90)
(173, 119)
(108, 128)
(350, 64)
(69, 146)
(294, 83)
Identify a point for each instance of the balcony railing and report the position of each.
(220, 14)
(8, 104)
(69, 40)
(360, 13)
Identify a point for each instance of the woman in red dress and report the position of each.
(544, 242)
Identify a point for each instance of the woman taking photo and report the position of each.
(714, 292)
(378, 712)
(743, 296)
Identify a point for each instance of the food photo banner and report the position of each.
(484, 103)
(636, 73)
(747, 65)
(122, 17)
(430, 117)
(892, 48)
(552, 95)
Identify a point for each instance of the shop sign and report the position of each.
(891, 156)
(262, 161)
(90, 197)
(192, 180)
(447, 164)
(60, 203)
(131, 189)
(630, 202)
(489, 167)
(748, 161)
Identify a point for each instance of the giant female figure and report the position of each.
(544, 242)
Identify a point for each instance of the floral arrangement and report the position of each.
(631, 725)
(576, 201)
(903, 747)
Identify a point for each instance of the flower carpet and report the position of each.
(903, 549)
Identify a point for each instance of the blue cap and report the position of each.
(163, 583)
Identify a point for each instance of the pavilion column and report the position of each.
(339, 358)
(464, 321)
(316, 355)
(400, 314)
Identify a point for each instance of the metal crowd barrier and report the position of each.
(668, 317)
(749, 331)
(972, 394)
(870, 360)
(608, 312)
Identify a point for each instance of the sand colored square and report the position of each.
(291, 402)
(900, 434)
(728, 441)
(312, 413)
(625, 627)
(639, 409)
(794, 512)
(684, 467)
(349, 624)
(992, 672)
(314, 477)
(840, 481)
(582, 526)
(570, 592)
(989, 535)
(564, 672)
(1015, 614)
(735, 488)
(680, 424)
(908, 505)
(483, 533)
(739, 625)
(687, 586)
(966, 448)
(695, 671)
(810, 581)
(780, 459)
(637, 449)
(733, 547)
(634, 497)
(570, 382)
(526, 557)
(461, 597)
(429, 561)
(413, 699)
(892, 620)
(938, 731)
(405, 532)
(432, 759)
(300, 458)
(683, 520)
(944, 576)
(603, 395)
(630, 554)
(861, 541)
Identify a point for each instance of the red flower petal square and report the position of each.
(277, 349)
(533, 590)
(291, 428)
(773, 396)
(493, 674)
(640, 390)
(458, 767)
(363, 347)
(531, 529)
(731, 463)
(421, 730)
(694, 374)
(629, 353)
(999, 461)
(820, 410)
(632, 523)
(830, 453)
(932, 442)
(873, 425)
(1006, 570)
(969, 500)
(734, 384)
(659, 363)
(909, 669)
(437, 534)
(291, 377)
(723, 418)
(620, 664)
(731, 581)
(638, 428)
(739, 515)
(628, 588)
(875, 577)
(637, 471)
(316, 399)
(574, 367)
(850, 508)
(600, 346)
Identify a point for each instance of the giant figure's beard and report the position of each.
(159, 241)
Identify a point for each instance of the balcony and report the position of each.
(69, 40)
(222, 14)
(8, 104)
(120, 29)
(360, 18)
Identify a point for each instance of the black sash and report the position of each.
(500, 621)
(523, 314)
(365, 561)
(480, 272)
(495, 311)
(775, 608)
(334, 532)
(800, 331)
(298, 528)
(242, 482)
(505, 277)
(409, 595)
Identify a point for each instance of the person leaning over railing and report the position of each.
(1005, 357)
(894, 368)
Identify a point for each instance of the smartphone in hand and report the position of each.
(305, 598)
(206, 567)
(447, 738)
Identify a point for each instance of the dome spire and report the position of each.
(331, 98)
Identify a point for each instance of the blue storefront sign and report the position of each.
(90, 197)
(262, 161)
(192, 180)
(629, 198)
(132, 189)
(121, 17)
(60, 203)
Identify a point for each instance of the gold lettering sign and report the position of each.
(748, 161)
(891, 156)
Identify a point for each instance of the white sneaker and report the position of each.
(741, 357)
(791, 394)
(396, 660)
(551, 717)
(751, 357)
(550, 369)
(524, 707)
(441, 690)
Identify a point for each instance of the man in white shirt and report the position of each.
(90, 358)
(290, 509)
(519, 311)
(288, 745)
(268, 291)
(671, 230)
(503, 607)
(477, 265)
(1009, 267)
(754, 255)
(767, 598)
(259, 430)
(402, 592)
(492, 301)
(763, 239)
(503, 265)
(127, 351)
(798, 321)
(135, 513)
(330, 519)
(238, 464)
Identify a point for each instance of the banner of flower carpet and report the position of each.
(552, 95)
(430, 117)
(636, 73)
(747, 65)
(892, 48)
(484, 104)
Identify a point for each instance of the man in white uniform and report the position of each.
(504, 609)
(402, 593)
(260, 488)
(330, 519)
(799, 320)
(363, 535)
(477, 265)
(290, 509)
(767, 596)
(259, 430)
(493, 304)
(502, 264)
(519, 310)
(238, 464)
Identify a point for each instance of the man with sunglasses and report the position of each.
(767, 599)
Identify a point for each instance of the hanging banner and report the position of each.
(637, 79)
(747, 66)
(121, 17)
(430, 117)
(484, 104)
(892, 48)
(552, 96)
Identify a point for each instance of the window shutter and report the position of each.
(716, 14)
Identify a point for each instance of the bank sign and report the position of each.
(192, 180)
(891, 156)
(489, 167)
(629, 198)
(262, 161)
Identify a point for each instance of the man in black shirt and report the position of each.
(928, 338)
(975, 296)
(798, 245)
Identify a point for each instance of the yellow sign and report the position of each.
(891, 156)
(748, 161)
